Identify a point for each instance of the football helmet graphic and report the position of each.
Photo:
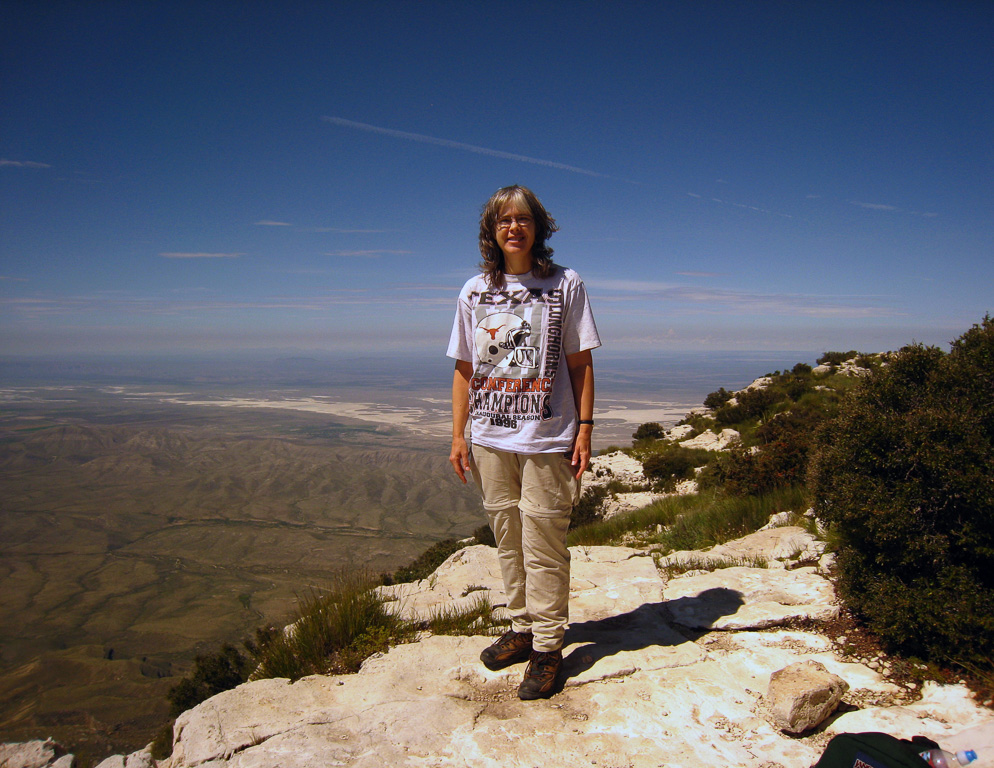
(501, 340)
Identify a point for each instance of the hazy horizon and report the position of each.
(405, 393)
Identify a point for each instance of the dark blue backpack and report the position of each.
(874, 750)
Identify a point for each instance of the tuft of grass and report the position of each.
(705, 563)
(728, 517)
(479, 619)
(334, 633)
(611, 531)
(690, 522)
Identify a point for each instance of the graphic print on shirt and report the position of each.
(518, 348)
(502, 340)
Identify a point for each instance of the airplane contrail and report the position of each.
(459, 145)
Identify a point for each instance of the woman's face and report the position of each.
(515, 232)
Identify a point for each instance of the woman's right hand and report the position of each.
(459, 457)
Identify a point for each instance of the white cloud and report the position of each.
(268, 223)
(367, 254)
(339, 230)
(177, 255)
(875, 206)
(695, 300)
(4, 163)
(459, 145)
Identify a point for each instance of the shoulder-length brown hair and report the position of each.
(493, 266)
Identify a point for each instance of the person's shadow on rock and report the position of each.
(651, 624)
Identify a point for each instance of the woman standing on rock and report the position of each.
(524, 379)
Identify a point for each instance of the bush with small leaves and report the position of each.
(485, 535)
(589, 509)
(750, 404)
(903, 477)
(426, 562)
(212, 673)
(666, 467)
(716, 399)
(779, 461)
(650, 431)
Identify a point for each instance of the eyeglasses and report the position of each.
(521, 221)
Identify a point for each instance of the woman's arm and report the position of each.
(459, 457)
(581, 374)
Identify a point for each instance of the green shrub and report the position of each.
(478, 619)
(903, 475)
(485, 535)
(335, 631)
(779, 460)
(749, 404)
(649, 431)
(426, 562)
(837, 358)
(689, 522)
(588, 510)
(212, 673)
(716, 399)
(664, 468)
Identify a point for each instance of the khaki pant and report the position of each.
(528, 499)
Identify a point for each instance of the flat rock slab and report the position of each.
(645, 683)
(775, 546)
(604, 581)
(432, 703)
(748, 598)
(942, 712)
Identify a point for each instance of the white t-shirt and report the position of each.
(517, 338)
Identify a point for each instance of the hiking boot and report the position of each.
(540, 675)
(510, 649)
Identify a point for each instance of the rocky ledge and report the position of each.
(657, 672)
(699, 669)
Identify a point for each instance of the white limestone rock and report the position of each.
(140, 759)
(679, 432)
(709, 441)
(638, 689)
(32, 754)
(114, 761)
(467, 575)
(748, 598)
(614, 466)
(761, 383)
(979, 738)
(847, 368)
(803, 694)
(619, 503)
(941, 714)
(777, 547)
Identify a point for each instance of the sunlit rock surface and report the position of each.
(648, 680)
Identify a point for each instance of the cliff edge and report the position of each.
(657, 671)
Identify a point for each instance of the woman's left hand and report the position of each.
(581, 450)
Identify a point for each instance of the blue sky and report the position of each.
(218, 176)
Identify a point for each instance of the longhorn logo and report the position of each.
(502, 340)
